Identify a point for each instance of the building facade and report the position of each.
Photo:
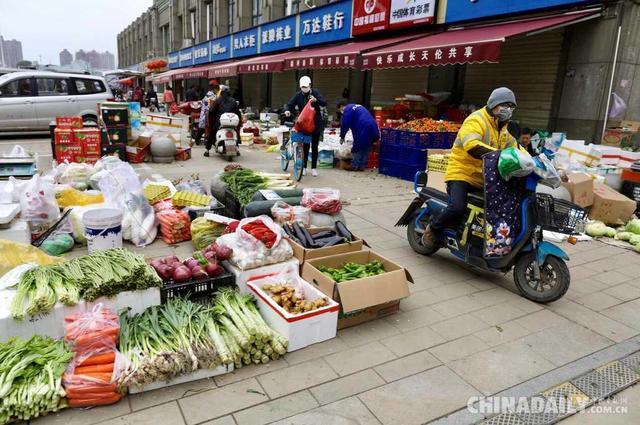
(96, 60)
(65, 57)
(10, 52)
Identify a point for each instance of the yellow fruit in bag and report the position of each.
(13, 254)
(68, 197)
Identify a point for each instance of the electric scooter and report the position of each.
(227, 137)
(539, 267)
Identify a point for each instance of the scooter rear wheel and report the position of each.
(553, 283)
(415, 239)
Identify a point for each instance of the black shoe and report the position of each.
(206, 153)
(238, 153)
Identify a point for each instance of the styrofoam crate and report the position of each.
(189, 377)
(243, 275)
(301, 330)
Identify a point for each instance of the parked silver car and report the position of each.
(30, 100)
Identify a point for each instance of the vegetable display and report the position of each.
(428, 125)
(325, 201)
(322, 239)
(175, 225)
(200, 266)
(351, 271)
(101, 273)
(204, 232)
(31, 377)
(181, 337)
(293, 301)
(243, 184)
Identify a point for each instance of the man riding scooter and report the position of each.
(483, 131)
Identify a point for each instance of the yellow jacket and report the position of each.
(479, 130)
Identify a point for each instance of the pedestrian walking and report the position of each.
(168, 99)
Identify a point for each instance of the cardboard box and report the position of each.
(68, 152)
(118, 150)
(630, 125)
(138, 150)
(115, 114)
(610, 206)
(301, 330)
(63, 136)
(344, 164)
(577, 151)
(435, 180)
(183, 154)
(303, 254)
(90, 140)
(68, 122)
(363, 299)
(580, 186)
(117, 135)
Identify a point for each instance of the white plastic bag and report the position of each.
(37, 199)
(249, 252)
(17, 152)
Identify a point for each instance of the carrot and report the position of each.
(93, 369)
(103, 333)
(86, 402)
(89, 388)
(91, 377)
(94, 394)
(99, 359)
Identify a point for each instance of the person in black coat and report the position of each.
(223, 103)
(299, 100)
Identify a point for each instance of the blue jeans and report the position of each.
(360, 158)
(451, 216)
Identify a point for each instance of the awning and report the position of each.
(223, 69)
(164, 77)
(194, 72)
(271, 63)
(337, 56)
(470, 45)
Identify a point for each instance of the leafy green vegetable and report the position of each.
(243, 183)
(633, 226)
(624, 236)
(596, 229)
(634, 240)
(351, 271)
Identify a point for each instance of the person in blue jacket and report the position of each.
(364, 129)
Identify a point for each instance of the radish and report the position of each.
(213, 269)
(181, 274)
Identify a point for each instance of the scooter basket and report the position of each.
(557, 215)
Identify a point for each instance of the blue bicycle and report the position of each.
(293, 150)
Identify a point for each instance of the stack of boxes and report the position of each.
(75, 143)
(115, 116)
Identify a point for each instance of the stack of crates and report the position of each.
(72, 142)
(115, 116)
(404, 153)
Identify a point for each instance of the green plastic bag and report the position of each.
(514, 163)
(57, 244)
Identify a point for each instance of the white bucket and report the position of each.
(103, 228)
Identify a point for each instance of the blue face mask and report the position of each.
(305, 89)
(504, 113)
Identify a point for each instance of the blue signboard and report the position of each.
(172, 60)
(201, 53)
(278, 35)
(220, 49)
(245, 43)
(186, 57)
(325, 24)
(466, 10)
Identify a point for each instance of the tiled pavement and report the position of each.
(459, 334)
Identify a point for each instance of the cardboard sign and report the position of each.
(370, 16)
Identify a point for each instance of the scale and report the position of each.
(17, 167)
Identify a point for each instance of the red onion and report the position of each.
(171, 259)
(213, 270)
(199, 273)
(191, 263)
(181, 274)
(156, 263)
(223, 253)
(165, 272)
(210, 255)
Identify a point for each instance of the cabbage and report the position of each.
(633, 226)
(595, 229)
(624, 236)
(637, 248)
(635, 240)
(610, 232)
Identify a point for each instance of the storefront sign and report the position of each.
(370, 16)
(466, 10)
(409, 12)
(322, 62)
(173, 60)
(220, 49)
(484, 52)
(278, 35)
(325, 24)
(186, 57)
(245, 43)
(201, 53)
(223, 71)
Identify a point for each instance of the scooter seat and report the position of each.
(476, 199)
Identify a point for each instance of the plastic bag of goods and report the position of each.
(93, 376)
(68, 196)
(37, 199)
(58, 244)
(322, 200)
(282, 212)
(122, 190)
(194, 185)
(549, 176)
(77, 175)
(257, 241)
(204, 232)
(514, 163)
(175, 226)
(14, 254)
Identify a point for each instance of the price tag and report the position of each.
(270, 195)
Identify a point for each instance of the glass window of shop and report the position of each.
(256, 12)
(231, 10)
(192, 16)
(291, 7)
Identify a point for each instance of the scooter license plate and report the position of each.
(229, 142)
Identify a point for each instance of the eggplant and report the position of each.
(300, 234)
(287, 229)
(342, 230)
(330, 241)
(323, 234)
(308, 237)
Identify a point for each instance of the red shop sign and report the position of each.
(370, 16)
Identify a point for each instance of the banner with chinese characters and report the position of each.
(325, 24)
(454, 54)
(278, 35)
(173, 60)
(325, 61)
(405, 13)
(220, 49)
(465, 10)
(245, 43)
(223, 70)
(185, 57)
(201, 53)
(370, 16)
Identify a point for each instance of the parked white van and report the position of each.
(30, 100)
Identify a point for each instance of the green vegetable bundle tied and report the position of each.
(244, 183)
(352, 271)
(31, 377)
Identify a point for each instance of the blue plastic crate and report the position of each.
(389, 136)
(404, 154)
(399, 170)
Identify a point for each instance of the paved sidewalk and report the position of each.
(460, 334)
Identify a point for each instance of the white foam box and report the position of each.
(301, 330)
(52, 324)
(182, 379)
(242, 276)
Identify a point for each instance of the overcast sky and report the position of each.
(45, 27)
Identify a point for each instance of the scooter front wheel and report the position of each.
(415, 238)
(553, 283)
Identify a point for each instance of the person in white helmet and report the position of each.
(299, 100)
